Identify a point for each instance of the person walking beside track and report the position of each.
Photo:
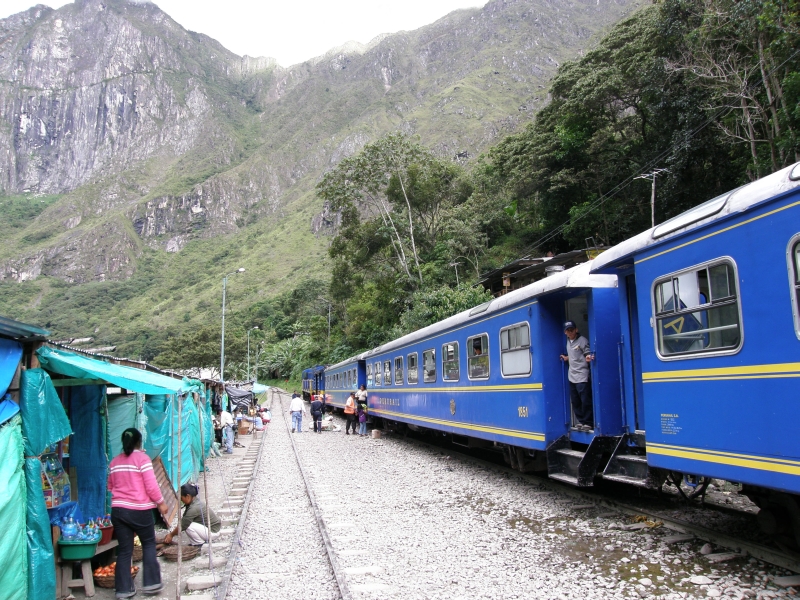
(134, 495)
(350, 413)
(316, 413)
(297, 409)
(226, 422)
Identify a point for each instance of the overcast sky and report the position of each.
(291, 31)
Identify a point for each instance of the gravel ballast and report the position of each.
(410, 521)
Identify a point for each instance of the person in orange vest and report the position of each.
(350, 413)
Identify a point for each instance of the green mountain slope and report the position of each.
(160, 161)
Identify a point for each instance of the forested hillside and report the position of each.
(708, 91)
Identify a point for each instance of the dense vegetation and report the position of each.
(707, 90)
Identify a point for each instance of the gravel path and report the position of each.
(409, 521)
(282, 554)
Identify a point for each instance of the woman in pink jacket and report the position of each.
(134, 495)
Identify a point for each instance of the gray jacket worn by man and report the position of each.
(577, 350)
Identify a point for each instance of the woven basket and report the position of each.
(170, 552)
(137, 555)
(107, 581)
(104, 581)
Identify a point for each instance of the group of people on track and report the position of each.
(355, 412)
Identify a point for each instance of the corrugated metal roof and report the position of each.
(9, 328)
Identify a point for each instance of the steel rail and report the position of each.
(236, 542)
(783, 559)
(338, 573)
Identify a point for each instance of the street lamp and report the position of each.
(248, 351)
(329, 321)
(222, 345)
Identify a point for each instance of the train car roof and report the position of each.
(729, 203)
(576, 277)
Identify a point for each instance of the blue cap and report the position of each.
(570, 325)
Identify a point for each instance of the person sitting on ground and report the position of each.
(201, 524)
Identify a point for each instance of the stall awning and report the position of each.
(83, 367)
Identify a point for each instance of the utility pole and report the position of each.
(222, 344)
(652, 177)
(328, 302)
(456, 265)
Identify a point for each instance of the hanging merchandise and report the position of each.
(55, 483)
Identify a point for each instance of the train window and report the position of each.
(450, 361)
(369, 375)
(515, 350)
(429, 366)
(378, 373)
(387, 372)
(398, 370)
(413, 368)
(478, 360)
(793, 257)
(697, 311)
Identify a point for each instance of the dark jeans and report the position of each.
(581, 396)
(351, 421)
(317, 421)
(126, 523)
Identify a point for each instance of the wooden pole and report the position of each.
(205, 488)
(180, 544)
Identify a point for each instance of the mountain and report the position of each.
(131, 145)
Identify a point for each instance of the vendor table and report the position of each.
(64, 568)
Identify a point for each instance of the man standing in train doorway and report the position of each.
(580, 384)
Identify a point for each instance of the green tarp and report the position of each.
(13, 551)
(44, 422)
(83, 367)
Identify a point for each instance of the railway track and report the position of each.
(338, 572)
(785, 559)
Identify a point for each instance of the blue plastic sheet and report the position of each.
(88, 447)
(162, 430)
(121, 415)
(44, 422)
(13, 547)
(62, 511)
(10, 353)
(83, 367)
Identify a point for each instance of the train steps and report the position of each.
(628, 463)
(578, 464)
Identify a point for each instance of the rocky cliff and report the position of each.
(155, 136)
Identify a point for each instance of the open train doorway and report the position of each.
(576, 309)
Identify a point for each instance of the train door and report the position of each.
(635, 358)
(576, 309)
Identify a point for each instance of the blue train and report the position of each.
(678, 389)
(313, 380)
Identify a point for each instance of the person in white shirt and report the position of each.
(226, 422)
(297, 409)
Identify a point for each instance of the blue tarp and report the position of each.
(10, 353)
(83, 367)
(162, 429)
(88, 447)
(13, 549)
(44, 422)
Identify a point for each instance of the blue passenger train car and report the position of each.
(709, 304)
(313, 382)
(343, 378)
(492, 375)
